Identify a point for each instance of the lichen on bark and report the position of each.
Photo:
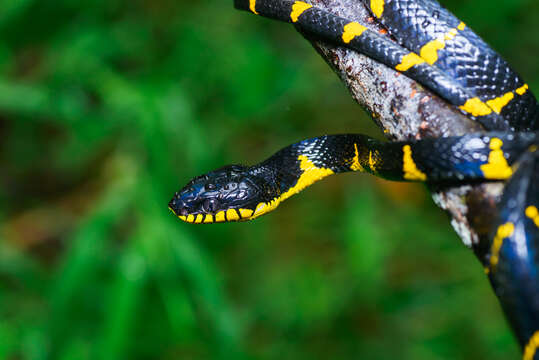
(405, 110)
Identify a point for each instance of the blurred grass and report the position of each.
(107, 107)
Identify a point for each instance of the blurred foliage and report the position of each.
(108, 107)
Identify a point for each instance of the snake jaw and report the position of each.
(230, 193)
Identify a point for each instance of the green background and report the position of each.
(107, 107)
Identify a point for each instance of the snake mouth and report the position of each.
(230, 193)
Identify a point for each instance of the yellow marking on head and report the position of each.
(408, 61)
(199, 218)
(498, 103)
(232, 215)
(184, 218)
(252, 6)
(429, 52)
(190, 218)
(496, 167)
(220, 216)
(409, 167)
(208, 219)
(297, 9)
(260, 209)
(533, 213)
(246, 213)
(461, 26)
(531, 347)
(522, 90)
(503, 232)
(311, 173)
(264, 208)
(351, 30)
(356, 166)
(377, 7)
(476, 107)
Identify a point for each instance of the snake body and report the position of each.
(431, 46)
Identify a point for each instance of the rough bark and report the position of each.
(403, 109)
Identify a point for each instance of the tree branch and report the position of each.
(405, 110)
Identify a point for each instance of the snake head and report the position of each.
(231, 193)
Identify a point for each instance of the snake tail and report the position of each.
(511, 263)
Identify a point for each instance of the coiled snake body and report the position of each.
(441, 53)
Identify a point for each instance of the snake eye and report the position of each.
(210, 186)
(210, 205)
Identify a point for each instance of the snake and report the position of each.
(431, 46)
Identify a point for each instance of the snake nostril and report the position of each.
(173, 203)
(184, 211)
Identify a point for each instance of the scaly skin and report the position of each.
(441, 53)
